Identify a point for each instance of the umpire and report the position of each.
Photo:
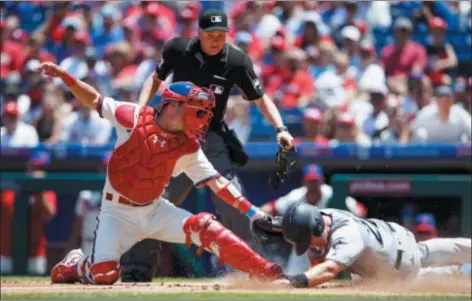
(208, 61)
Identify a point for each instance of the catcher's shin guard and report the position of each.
(209, 234)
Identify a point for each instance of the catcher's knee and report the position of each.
(202, 229)
(107, 272)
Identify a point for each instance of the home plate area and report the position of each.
(438, 287)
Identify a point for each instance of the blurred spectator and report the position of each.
(312, 127)
(398, 120)
(242, 21)
(275, 60)
(63, 38)
(441, 55)
(440, 122)
(425, 227)
(418, 94)
(49, 122)
(188, 26)
(336, 87)
(105, 29)
(404, 55)
(369, 70)
(34, 51)
(294, 86)
(75, 63)
(351, 37)
(310, 35)
(376, 119)
(85, 126)
(9, 50)
(347, 131)
(16, 133)
(322, 57)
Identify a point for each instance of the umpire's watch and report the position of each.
(282, 129)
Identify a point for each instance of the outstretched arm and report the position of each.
(150, 88)
(225, 190)
(83, 92)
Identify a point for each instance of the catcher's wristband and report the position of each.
(253, 211)
(68, 79)
(299, 281)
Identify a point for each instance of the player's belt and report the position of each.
(124, 201)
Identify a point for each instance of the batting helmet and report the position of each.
(299, 222)
(198, 105)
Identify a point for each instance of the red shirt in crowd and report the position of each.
(287, 87)
(10, 57)
(255, 48)
(400, 61)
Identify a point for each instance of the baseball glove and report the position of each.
(268, 230)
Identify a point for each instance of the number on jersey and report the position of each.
(372, 228)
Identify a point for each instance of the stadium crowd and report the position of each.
(365, 72)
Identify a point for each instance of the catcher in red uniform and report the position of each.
(153, 145)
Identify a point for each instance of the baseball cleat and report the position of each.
(66, 270)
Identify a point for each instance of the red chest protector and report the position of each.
(140, 168)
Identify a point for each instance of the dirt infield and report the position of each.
(439, 287)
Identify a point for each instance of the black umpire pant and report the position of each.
(142, 258)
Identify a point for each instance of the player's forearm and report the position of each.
(83, 92)
(317, 275)
(323, 272)
(150, 87)
(270, 111)
(225, 190)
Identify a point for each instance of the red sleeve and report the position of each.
(307, 84)
(124, 114)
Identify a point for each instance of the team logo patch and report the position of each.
(215, 19)
(217, 89)
(256, 84)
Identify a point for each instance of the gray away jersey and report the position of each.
(365, 246)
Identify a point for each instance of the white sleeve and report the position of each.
(107, 108)
(196, 166)
(79, 205)
(33, 138)
(347, 244)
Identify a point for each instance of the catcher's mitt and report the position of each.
(285, 163)
(268, 230)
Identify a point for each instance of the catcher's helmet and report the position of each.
(198, 101)
(299, 222)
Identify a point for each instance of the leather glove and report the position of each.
(267, 230)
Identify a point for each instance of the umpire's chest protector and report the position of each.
(141, 167)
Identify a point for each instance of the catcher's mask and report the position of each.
(198, 104)
(299, 222)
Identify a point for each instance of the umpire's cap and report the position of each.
(299, 223)
(213, 19)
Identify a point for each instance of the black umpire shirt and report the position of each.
(220, 73)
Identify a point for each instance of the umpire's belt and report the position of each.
(124, 201)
